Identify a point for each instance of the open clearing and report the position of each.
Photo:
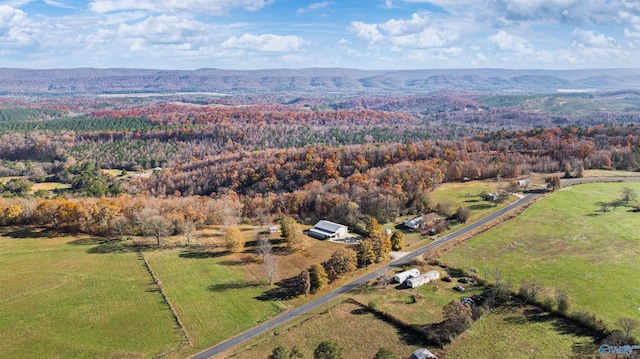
(58, 301)
(565, 242)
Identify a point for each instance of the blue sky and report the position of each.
(364, 34)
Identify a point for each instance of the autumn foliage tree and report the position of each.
(342, 261)
(319, 278)
(397, 240)
(293, 236)
(234, 240)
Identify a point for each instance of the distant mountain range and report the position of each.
(312, 80)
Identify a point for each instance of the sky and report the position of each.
(361, 34)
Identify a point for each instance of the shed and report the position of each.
(402, 276)
(413, 223)
(425, 278)
(274, 229)
(326, 229)
(422, 354)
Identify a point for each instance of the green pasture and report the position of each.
(566, 242)
(58, 301)
(214, 296)
(514, 332)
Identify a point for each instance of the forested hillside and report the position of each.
(346, 158)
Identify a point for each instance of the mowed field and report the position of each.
(58, 301)
(565, 242)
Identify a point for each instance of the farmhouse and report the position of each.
(327, 230)
(413, 223)
(425, 278)
(402, 276)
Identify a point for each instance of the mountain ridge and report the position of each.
(88, 80)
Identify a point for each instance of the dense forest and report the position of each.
(346, 159)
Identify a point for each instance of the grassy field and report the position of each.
(516, 332)
(359, 332)
(214, 297)
(58, 301)
(564, 241)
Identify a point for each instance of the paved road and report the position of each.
(317, 303)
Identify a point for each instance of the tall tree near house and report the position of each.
(364, 252)
(295, 239)
(463, 214)
(373, 226)
(397, 240)
(234, 240)
(319, 278)
(381, 246)
(305, 282)
(342, 261)
(553, 182)
(269, 261)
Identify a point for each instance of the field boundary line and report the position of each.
(183, 329)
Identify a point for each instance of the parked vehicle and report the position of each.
(459, 288)
(447, 279)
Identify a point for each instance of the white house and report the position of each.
(325, 230)
(413, 223)
(425, 278)
(402, 276)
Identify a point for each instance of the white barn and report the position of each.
(425, 278)
(402, 276)
(326, 229)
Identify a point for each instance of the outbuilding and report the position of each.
(413, 223)
(422, 354)
(328, 230)
(402, 276)
(423, 279)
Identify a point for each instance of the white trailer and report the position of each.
(402, 276)
(425, 278)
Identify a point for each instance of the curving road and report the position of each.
(318, 302)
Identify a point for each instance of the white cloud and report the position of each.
(512, 43)
(205, 6)
(367, 32)
(403, 27)
(315, 6)
(424, 39)
(418, 32)
(589, 38)
(19, 30)
(10, 17)
(265, 43)
(163, 29)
